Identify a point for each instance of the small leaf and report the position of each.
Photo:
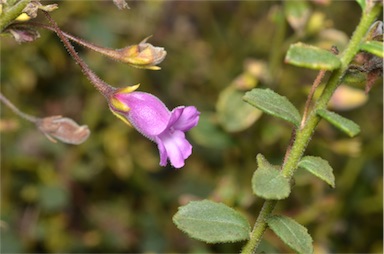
(233, 113)
(373, 47)
(345, 125)
(212, 222)
(273, 104)
(268, 182)
(319, 167)
(312, 57)
(292, 233)
(297, 14)
(362, 3)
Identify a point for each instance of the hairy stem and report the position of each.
(17, 111)
(103, 50)
(304, 134)
(97, 82)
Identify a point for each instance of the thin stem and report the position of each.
(97, 82)
(17, 111)
(12, 13)
(304, 134)
(315, 84)
(103, 50)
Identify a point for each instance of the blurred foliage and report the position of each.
(110, 195)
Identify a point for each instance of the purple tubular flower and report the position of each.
(152, 118)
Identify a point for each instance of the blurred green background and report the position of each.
(110, 194)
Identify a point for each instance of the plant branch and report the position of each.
(304, 134)
(97, 82)
(112, 53)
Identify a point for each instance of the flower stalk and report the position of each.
(143, 55)
(305, 132)
(105, 89)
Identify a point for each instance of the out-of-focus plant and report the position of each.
(216, 222)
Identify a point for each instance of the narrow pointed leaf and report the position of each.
(373, 47)
(274, 104)
(212, 222)
(268, 182)
(312, 57)
(292, 233)
(319, 167)
(345, 125)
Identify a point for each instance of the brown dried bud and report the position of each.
(63, 129)
(143, 55)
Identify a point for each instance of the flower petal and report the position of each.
(176, 146)
(162, 151)
(184, 118)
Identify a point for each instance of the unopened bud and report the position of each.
(24, 34)
(143, 55)
(63, 129)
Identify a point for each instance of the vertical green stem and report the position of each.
(12, 13)
(304, 134)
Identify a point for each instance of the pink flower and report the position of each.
(152, 118)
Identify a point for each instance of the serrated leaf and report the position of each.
(233, 114)
(373, 47)
(312, 57)
(273, 104)
(319, 167)
(269, 183)
(345, 125)
(292, 233)
(212, 222)
(362, 4)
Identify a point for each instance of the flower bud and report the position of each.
(24, 34)
(143, 55)
(63, 129)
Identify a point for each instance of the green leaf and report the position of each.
(319, 167)
(273, 104)
(212, 222)
(345, 125)
(312, 57)
(233, 114)
(373, 47)
(297, 14)
(362, 4)
(268, 182)
(292, 233)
